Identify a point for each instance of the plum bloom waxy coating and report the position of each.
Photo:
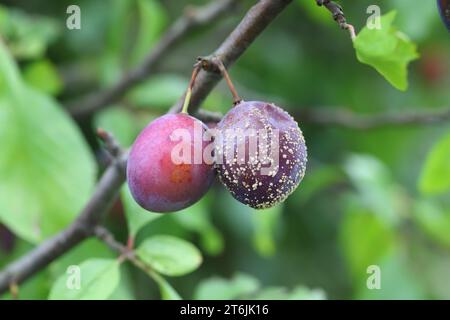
(156, 182)
(285, 158)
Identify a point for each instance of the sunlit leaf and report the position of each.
(388, 50)
(397, 280)
(137, 217)
(169, 255)
(365, 238)
(265, 224)
(376, 187)
(152, 20)
(434, 220)
(98, 280)
(315, 181)
(47, 170)
(120, 123)
(43, 76)
(435, 176)
(197, 218)
(166, 290)
(161, 91)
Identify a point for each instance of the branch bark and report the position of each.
(254, 22)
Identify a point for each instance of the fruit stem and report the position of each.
(187, 97)
(227, 78)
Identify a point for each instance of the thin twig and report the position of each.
(192, 19)
(111, 144)
(125, 253)
(348, 119)
(108, 238)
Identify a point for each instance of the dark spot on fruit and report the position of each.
(181, 174)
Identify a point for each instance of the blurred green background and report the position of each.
(370, 197)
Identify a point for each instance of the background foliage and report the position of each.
(372, 197)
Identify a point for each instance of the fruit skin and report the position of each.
(156, 182)
(245, 181)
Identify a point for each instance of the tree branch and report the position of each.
(125, 253)
(108, 238)
(351, 120)
(255, 21)
(191, 19)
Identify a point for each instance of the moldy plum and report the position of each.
(242, 174)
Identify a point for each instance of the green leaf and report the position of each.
(169, 255)
(435, 176)
(28, 36)
(98, 280)
(47, 170)
(152, 18)
(265, 223)
(434, 271)
(166, 290)
(161, 91)
(133, 27)
(387, 50)
(90, 248)
(315, 13)
(239, 286)
(196, 218)
(137, 217)
(36, 288)
(125, 288)
(365, 238)
(43, 76)
(375, 187)
(120, 123)
(433, 220)
(418, 21)
(398, 281)
(316, 181)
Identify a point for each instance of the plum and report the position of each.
(166, 170)
(261, 154)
